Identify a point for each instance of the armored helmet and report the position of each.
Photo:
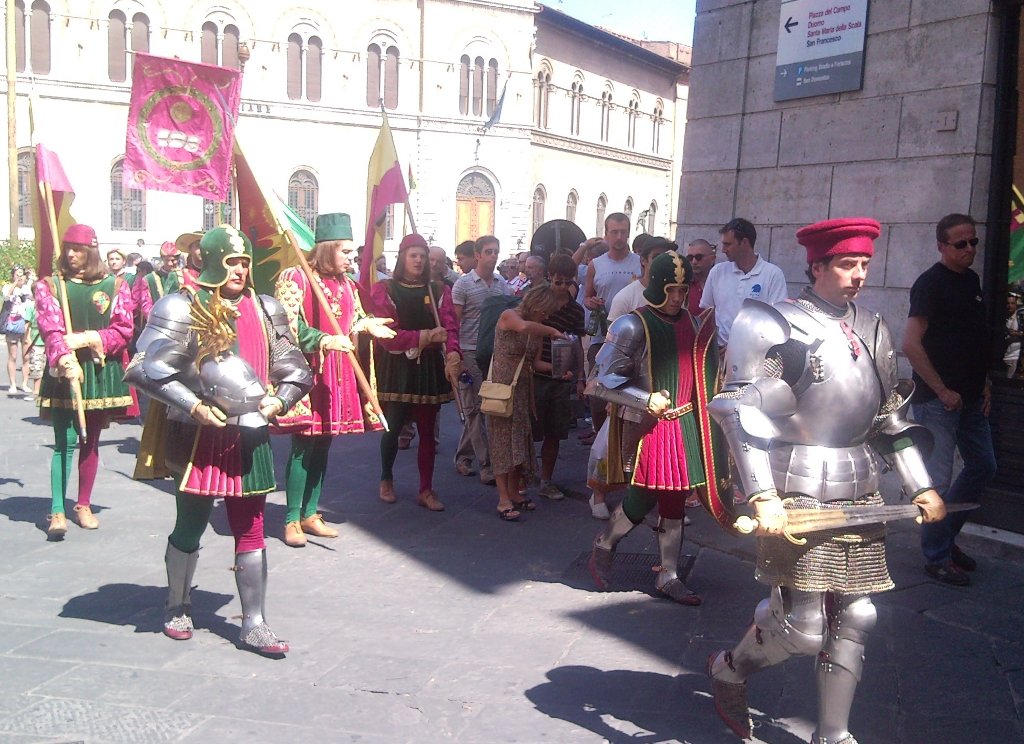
(216, 247)
(667, 270)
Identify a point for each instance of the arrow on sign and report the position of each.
(790, 25)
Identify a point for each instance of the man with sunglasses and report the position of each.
(947, 343)
(702, 257)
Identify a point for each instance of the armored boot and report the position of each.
(251, 578)
(619, 525)
(180, 569)
(670, 539)
(788, 623)
(839, 667)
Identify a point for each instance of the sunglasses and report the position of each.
(698, 256)
(561, 282)
(962, 244)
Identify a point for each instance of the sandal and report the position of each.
(508, 515)
(524, 505)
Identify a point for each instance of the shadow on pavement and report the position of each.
(626, 706)
(34, 510)
(142, 606)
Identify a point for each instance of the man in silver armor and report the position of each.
(811, 397)
(223, 361)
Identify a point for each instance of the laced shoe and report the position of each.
(551, 491)
(387, 492)
(85, 518)
(315, 525)
(58, 526)
(429, 500)
(294, 536)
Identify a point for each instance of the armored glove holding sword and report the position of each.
(811, 398)
(224, 362)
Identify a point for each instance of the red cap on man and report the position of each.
(413, 239)
(168, 249)
(80, 234)
(846, 236)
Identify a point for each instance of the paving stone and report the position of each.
(121, 685)
(108, 723)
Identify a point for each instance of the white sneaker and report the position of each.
(27, 389)
(599, 511)
(12, 390)
(550, 491)
(686, 521)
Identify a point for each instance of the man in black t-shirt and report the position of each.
(947, 343)
(552, 395)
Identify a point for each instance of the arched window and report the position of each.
(543, 84)
(304, 195)
(628, 208)
(117, 68)
(492, 86)
(571, 202)
(127, 205)
(229, 47)
(606, 114)
(219, 213)
(575, 105)
(208, 51)
(659, 118)
(26, 177)
(140, 33)
(652, 213)
(294, 67)
(464, 84)
(633, 114)
(314, 62)
(40, 34)
(382, 76)
(478, 86)
(539, 197)
(602, 207)
(19, 36)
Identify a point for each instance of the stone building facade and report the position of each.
(315, 78)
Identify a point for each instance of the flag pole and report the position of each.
(76, 385)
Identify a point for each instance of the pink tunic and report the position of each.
(334, 405)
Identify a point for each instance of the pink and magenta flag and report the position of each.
(384, 187)
(181, 124)
(51, 208)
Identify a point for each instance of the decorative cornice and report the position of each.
(566, 144)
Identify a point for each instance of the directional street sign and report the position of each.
(821, 47)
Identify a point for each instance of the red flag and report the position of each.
(181, 125)
(51, 205)
(384, 187)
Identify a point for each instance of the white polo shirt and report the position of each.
(727, 287)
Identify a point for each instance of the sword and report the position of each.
(800, 521)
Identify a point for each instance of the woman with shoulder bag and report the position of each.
(17, 295)
(517, 343)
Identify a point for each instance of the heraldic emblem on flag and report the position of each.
(181, 127)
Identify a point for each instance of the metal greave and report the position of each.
(181, 567)
(839, 666)
(251, 579)
(619, 525)
(670, 539)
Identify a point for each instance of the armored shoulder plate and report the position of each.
(616, 361)
(170, 318)
(757, 328)
(278, 317)
(884, 355)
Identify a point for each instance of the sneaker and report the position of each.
(550, 491)
(686, 521)
(27, 389)
(962, 560)
(599, 511)
(948, 573)
(12, 390)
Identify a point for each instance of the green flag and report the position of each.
(1016, 272)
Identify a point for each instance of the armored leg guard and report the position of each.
(839, 667)
(181, 567)
(619, 525)
(790, 622)
(670, 539)
(251, 579)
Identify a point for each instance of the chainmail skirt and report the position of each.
(851, 561)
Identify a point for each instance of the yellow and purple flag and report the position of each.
(51, 208)
(275, 230)
(384, 187)
(181, 124)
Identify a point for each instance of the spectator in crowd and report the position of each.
(536, 273)
(518, 282)
(553, 394)
(468, 296)
(744, 276)
(36, 350)
(701, 254)
(509, 270)
(632, 297)
(440, 268)
(17, 295)
(947, 343)
(115, 261)
(1013, 334)
(131, 263)
(517, 344)
(465, 256)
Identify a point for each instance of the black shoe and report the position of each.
(948, 573)
(962, 560)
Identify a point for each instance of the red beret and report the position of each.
(849, 235)
(168, 249)
(80, 234)
(412, 239)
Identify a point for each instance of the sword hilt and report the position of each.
(746, 525)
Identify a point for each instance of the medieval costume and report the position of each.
(84, 364)
(335, 405)
(810, 398)
(664, 438)
(157, 284)
(223, 361)
(412, 379)
(190, 264)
